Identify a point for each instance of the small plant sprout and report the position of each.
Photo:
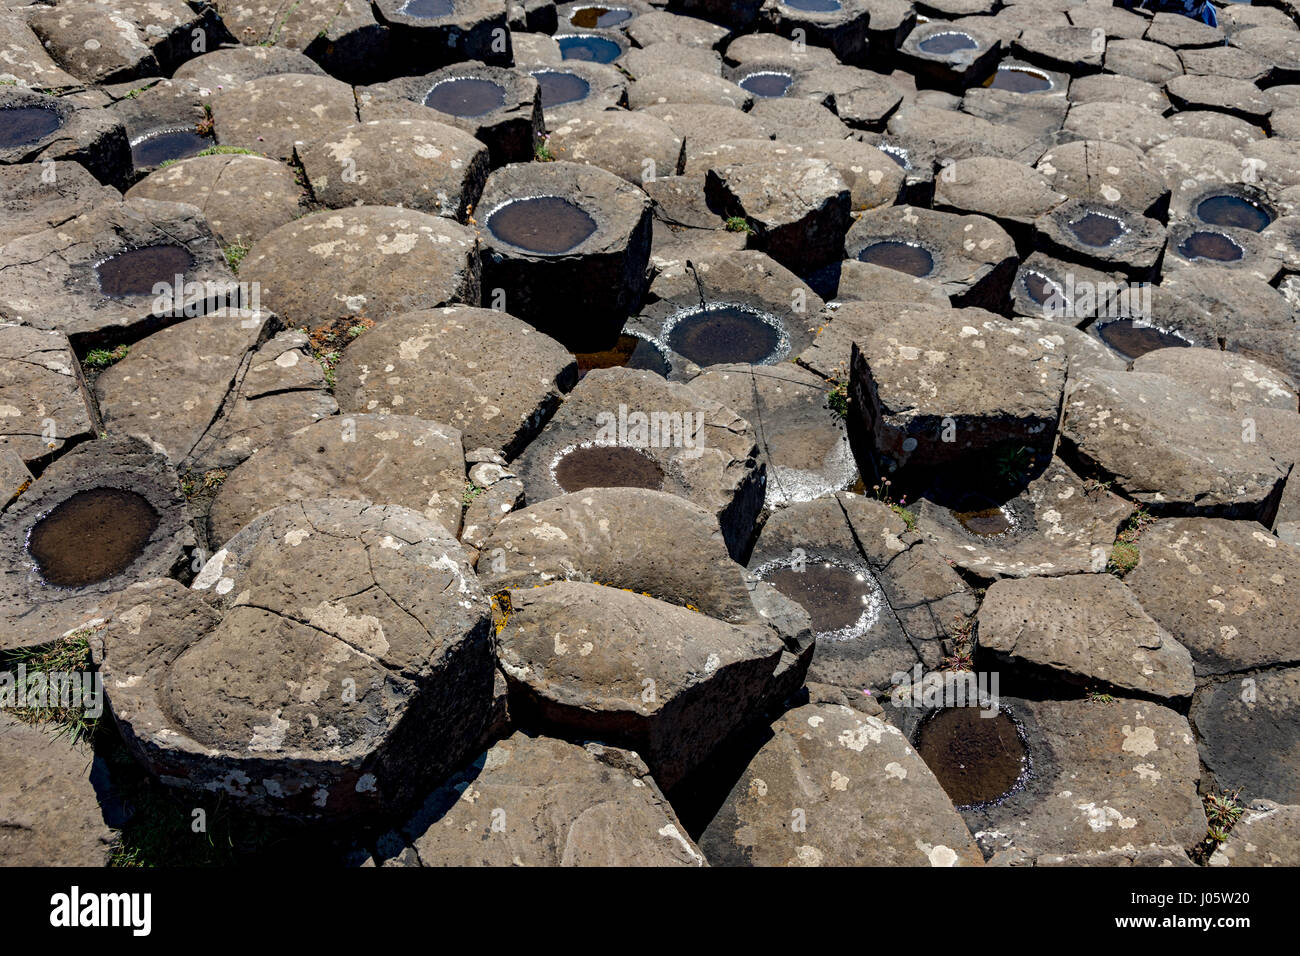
(881, 492)
(739, 224)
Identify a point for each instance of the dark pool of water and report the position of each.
(169, 144)
(1039, 287)
(1215, 246)
(92, 536)
(607, 466)
(630, 351)
(834, 597)
(136, 271)
(941, 44)
(20, 125)
(589, 49)
(767, 84)
(546, 224)
(813, 6)
(718, 334)
(1019, 80)
(901, 256)
(1133, 341)
(428, 9)
(466, 96)
(1097, 230)
(976, 759)
(982, 517)
(559, 88)
(899, 156)
(590, 17)
(1233, 211)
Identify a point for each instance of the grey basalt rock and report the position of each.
(27, 61)
(1165, 446)
(881, 600)
(953, 57)
(706, 127)
(867, 798)
(937, 386)
(1137, 127)
(421, 37)
(163, 123)
(805, 442)
(500, 108)
(971, 257)
(670, 683)
(683, 85)
(843, 29)
(1109, 172)
(46, 405)
(487, 374)
(576, 85)
(73, 133)
(422, 165)
(1220, 587)
(1142, 60)
(1102, 777)
(634, 146)
(1102, 235)
(230, 66)
(242, 197)
(1056, 525)
(603, 435)
(1264, 836)
(276, 114)
(774, 312)
(382, 260)
(647, 542)
(34, 611)
(1246, 724)
(546, 802)
(383, 681)
(33, 203)
(1086, 629)
(384, 459)
(344, 38)
(1011, 194)
(64, 277)
(123, 40)
(580, 289)
(49, 810)
(798, 209)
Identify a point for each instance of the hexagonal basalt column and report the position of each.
(1102, 235)
(35, 127)
(838, 24)
(951, 56)
(106, 514)
(382, 260)
(500, 108)
(340, 664)
(972, 258)
(631, 429)
(429, 33)
(112, 273)
(567, 245)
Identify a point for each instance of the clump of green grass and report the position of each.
(1097, 697)
(103, 358)
(739, 224)
(1222, 811)
(227, 151)
(1124, 553)
(472, 491)
(68, 654)
(235, 253)
(542, 153)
